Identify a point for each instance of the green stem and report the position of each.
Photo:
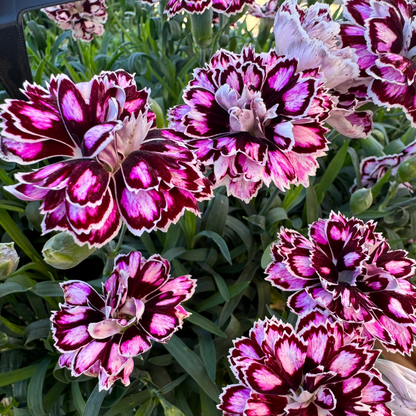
(390, 195)
(121, 238)
(269, 202)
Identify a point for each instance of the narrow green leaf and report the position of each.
(193, 365)
(331, 172)
(266, 258)
(20, 239)
(146, 409)
(37, 330)
(245, 277)
(222, 286)
(207, 351)
(204, 323)
(79, 402)
(173, 384)
(291, 197)
(217, 216)
(17, 329)
(208, 407)
(174, 252)
(312, 206)
(17, 375)
(48, 289)
(35, 389)
(376, 189)
(10, 287)
(128, 403)
(356, 163)
(93, 406)
(275, 215)
(218, 240)
(243, 232)
(53, 395)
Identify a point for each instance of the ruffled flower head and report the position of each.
(117, 167)
(254, 119)
(383, 34)
(266, 11)
(84, 18)
(317, 370)
(373, 168)
(100, 334)
(348, 270)
(310, 35)
(228, 7)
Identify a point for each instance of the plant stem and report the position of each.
(390, 194)
(269, 202)
(121, 238)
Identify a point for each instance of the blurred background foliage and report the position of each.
(226, 249)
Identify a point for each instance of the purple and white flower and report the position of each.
(100, 334)
(348, 270)
(316, 371)
(254, 119)
(383, 34)
(266, 11)
(312, 37)
(84, 18)
(116, 167)
(228, 7)
(373, 168)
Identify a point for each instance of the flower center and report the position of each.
(348, 276)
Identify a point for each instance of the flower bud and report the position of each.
(202, 28)
(402, 382)
(361, 200)
(372, 147)
(62, 252)
(224, 40)
(8, 259)
(407, 170)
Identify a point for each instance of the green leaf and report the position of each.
(10, 287)
(173, 384)
(331, 172)
(245, 278)
(222, 286)
(266, 258)
(48, 289)
(207, 351)
(292, 197)
(204, 323)
(53, 395)
(17, 329)
(37, 330)
(93, 406)
(208, 407)
(312, 206)
(128, 403)
(20, 239)
(243, 232)
(376, 189)
(146, 409)
(35, 389)
(193, 365)
(275, 215)
(79, 402)
(218, 240)
(17, 375)
(356, 163)
(217, 216)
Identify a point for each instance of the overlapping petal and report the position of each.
(318, 370)
(254, 119)
(84, 18)
(119, 167)
(350, 272)
(99, 334)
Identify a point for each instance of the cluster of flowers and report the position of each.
(248, 119)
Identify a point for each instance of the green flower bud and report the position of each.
(202, 28)
(160, 118)
(361, 200)
(407, 170)
(372, 147)
(8, 259)
(62, 252)
(224, 39)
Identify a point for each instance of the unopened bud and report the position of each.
(62, 252)
(224, 39)
(202, 28)
(361, 200)
(407, 170)
(8, 259)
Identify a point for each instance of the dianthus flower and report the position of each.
(116, 165)
(254, 119)
(266, 11)
(383, 34)
(311, 36)
(318, 370)
(228, 7)
(349, 270)
(100, 334)
(373, 168)
(85, 18)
